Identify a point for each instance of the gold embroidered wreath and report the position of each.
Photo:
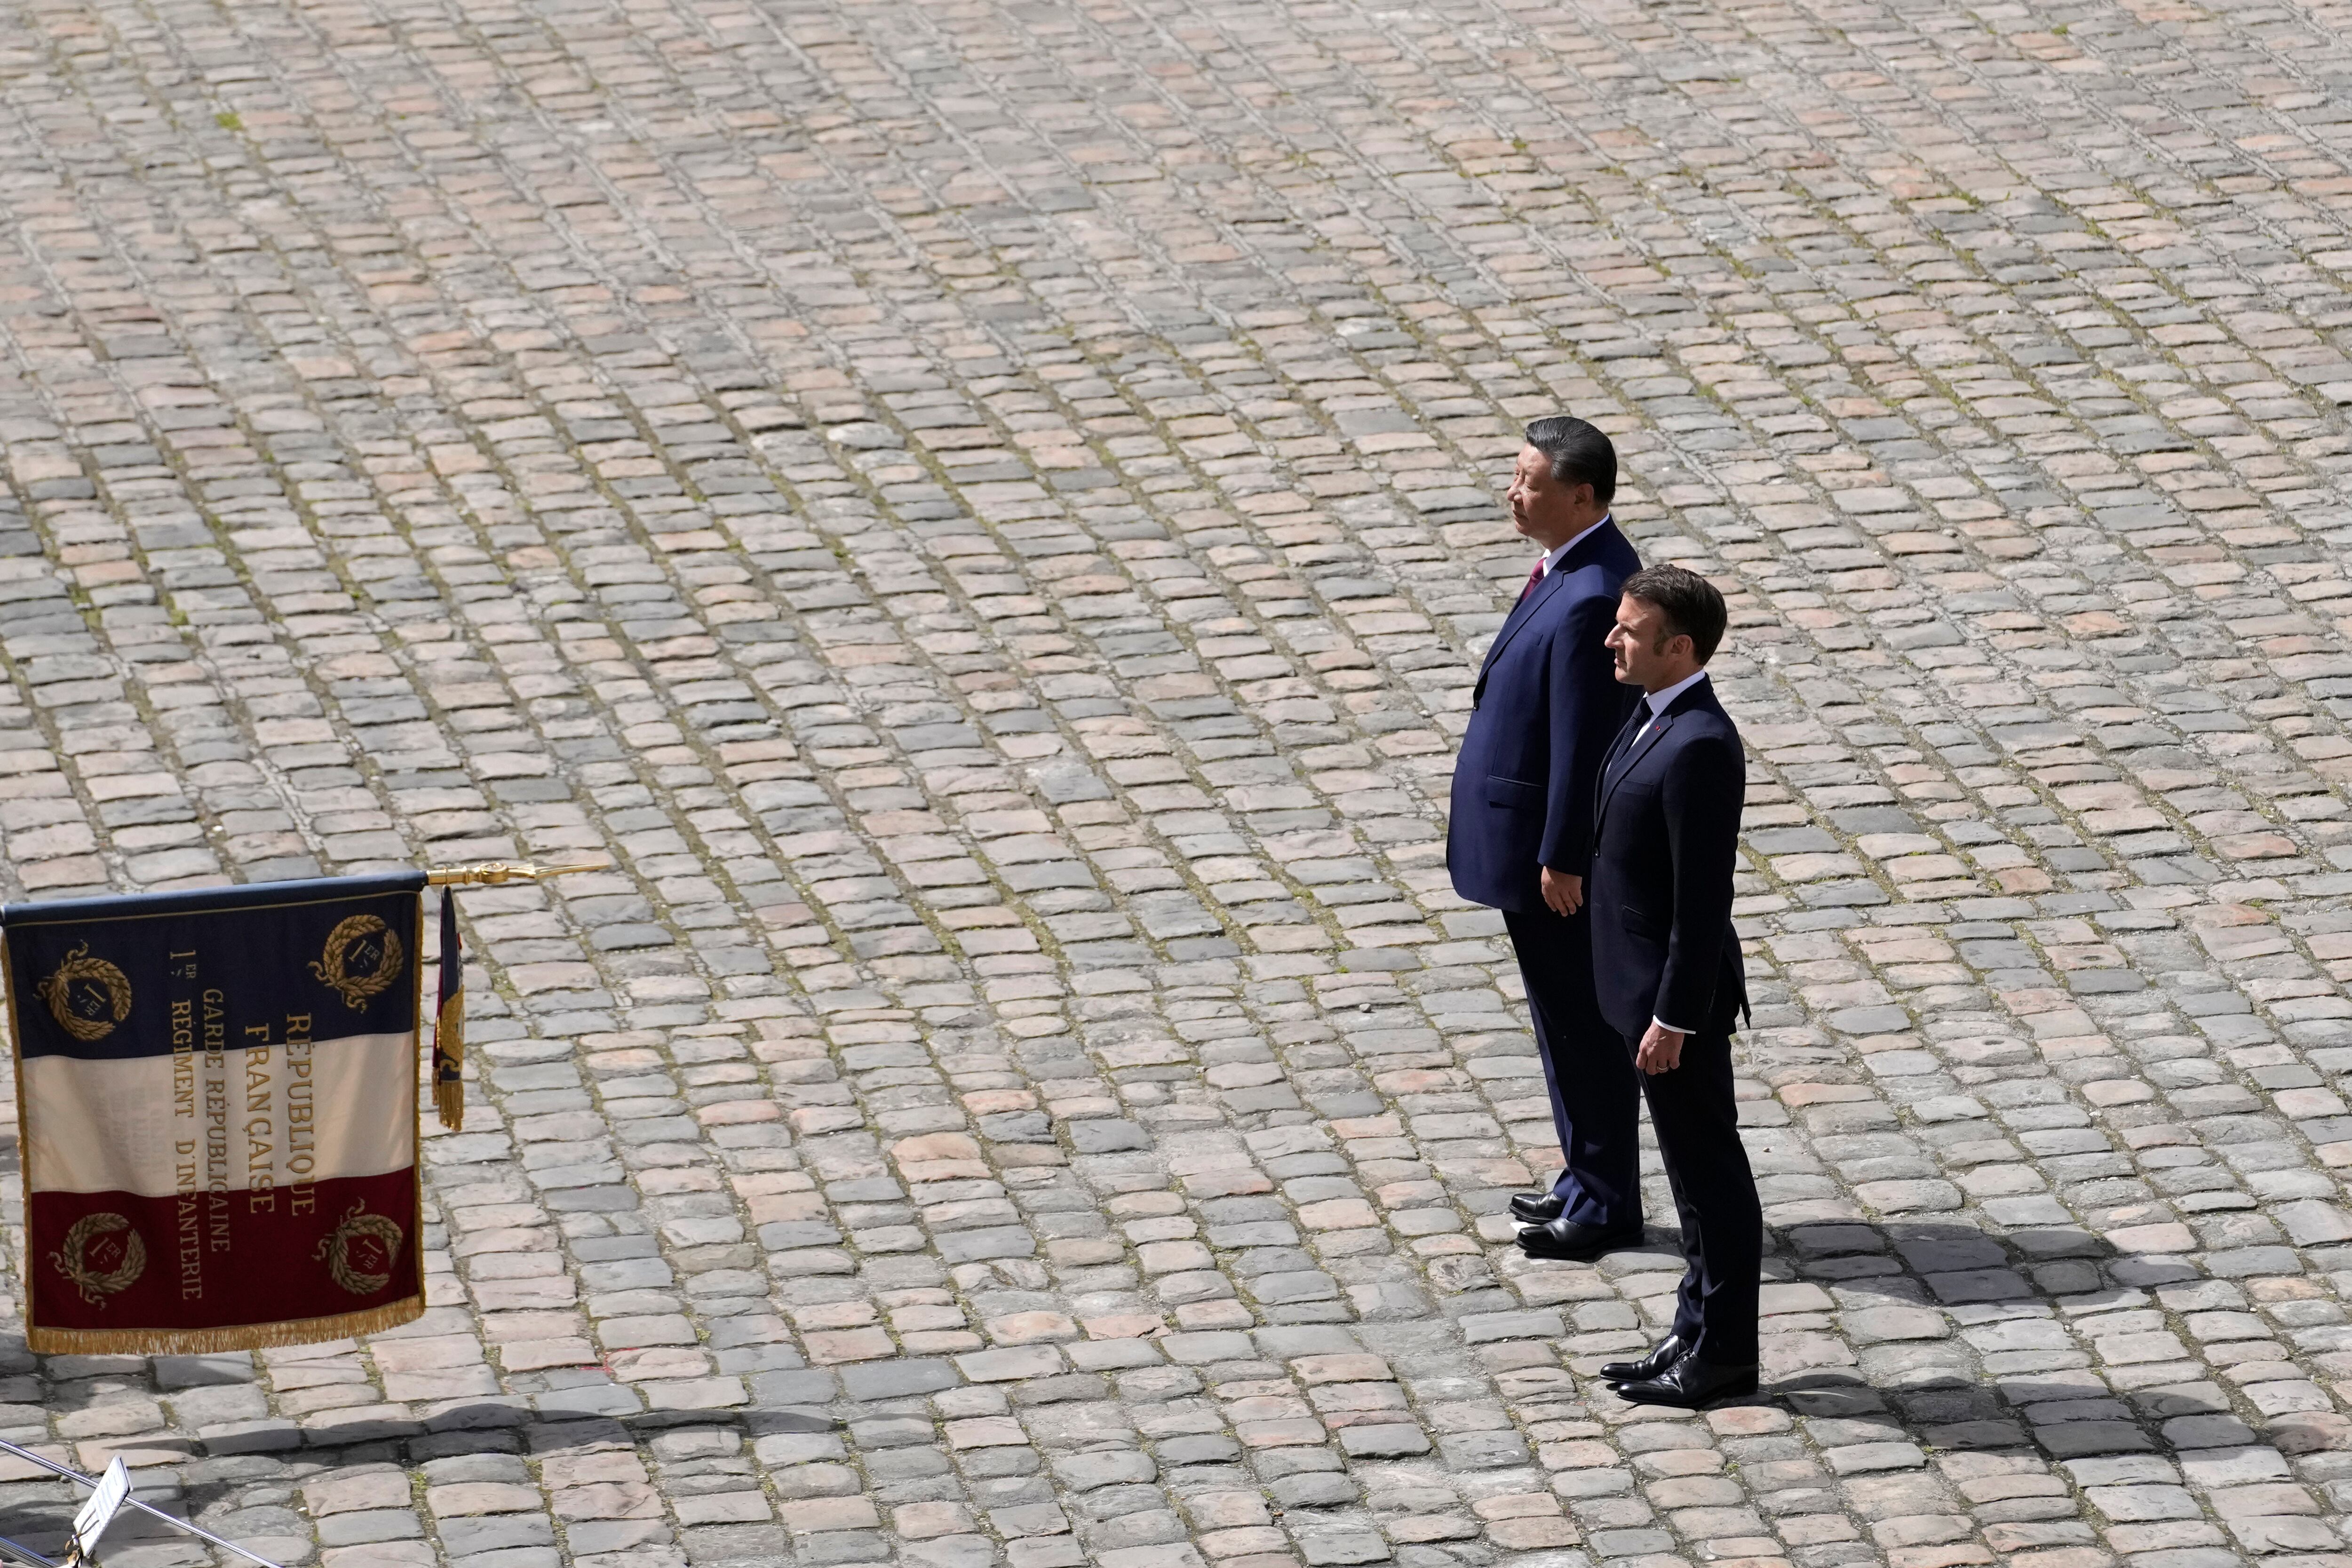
(335, 1249)
(58, 991)
(357, 989)
(70, 1260)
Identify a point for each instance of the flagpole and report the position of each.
(171, 1518)
(492, 872)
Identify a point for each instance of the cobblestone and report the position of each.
(981, 519)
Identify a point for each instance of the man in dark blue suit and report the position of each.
(1671, 982)
(1520, 840)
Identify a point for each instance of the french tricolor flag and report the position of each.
(218, 1097)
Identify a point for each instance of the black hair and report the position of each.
(1578, 454)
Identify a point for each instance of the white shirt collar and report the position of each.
(1660, 701)
(1557, 556)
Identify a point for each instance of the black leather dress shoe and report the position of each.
(1537, 1208)
(1691, 1383)
(1662, 1357)
(1576, 1243)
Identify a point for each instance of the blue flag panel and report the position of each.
(102, 979)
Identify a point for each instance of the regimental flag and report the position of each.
(216, 1095)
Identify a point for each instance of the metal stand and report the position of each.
(27, 1554)
(18, 1552)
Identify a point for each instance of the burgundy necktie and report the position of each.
(1534, 577)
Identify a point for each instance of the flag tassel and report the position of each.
(450, 1023)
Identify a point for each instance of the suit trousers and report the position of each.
(1698, 1124)
(1595, 1092)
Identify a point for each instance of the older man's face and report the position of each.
(1535, 495)
(1543, 508)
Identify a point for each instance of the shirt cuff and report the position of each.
(1664, 1025)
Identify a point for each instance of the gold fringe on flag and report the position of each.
(234, 1337)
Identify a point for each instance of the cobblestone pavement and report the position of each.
(984, 514)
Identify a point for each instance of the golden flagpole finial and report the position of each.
(496, 871)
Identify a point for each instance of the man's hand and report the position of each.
(1661, 1050)
(1563, 893)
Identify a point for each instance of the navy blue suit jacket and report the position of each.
(1665, 843)
(1546, 705)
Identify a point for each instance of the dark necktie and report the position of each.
(1617, 758)
(1534, 577)
(1651, 718)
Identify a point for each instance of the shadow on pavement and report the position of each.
(1947, 1337)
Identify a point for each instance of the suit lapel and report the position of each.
(1520, 615)
(1613, 773)
(1624, 737)
(1616, 773)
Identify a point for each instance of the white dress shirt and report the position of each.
(1659, 701)
(1561, 554)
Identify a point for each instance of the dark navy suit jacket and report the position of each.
(1665, 843)
(1546, 705)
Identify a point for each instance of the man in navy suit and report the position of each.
(1671, 982)
(1520, 837)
